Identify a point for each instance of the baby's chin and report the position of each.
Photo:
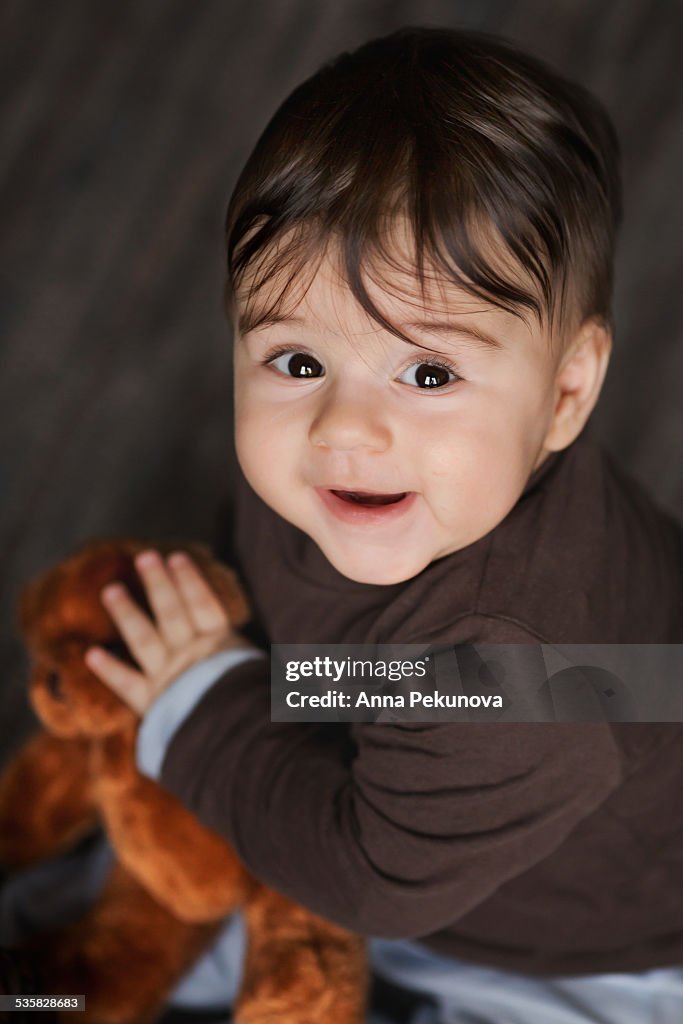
(384, 572)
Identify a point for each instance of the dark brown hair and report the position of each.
(460, 133)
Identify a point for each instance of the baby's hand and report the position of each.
(191, 624)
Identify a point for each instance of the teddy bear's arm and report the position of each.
(46, 799)
(189, 869)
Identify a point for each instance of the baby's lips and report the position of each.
(345, 488)
(366, 498)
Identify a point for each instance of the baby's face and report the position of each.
(456, 426)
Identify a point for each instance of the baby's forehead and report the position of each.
(320, 298)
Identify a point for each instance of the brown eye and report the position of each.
(432, 375)
(297, 364)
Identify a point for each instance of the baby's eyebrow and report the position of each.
(453, 327)
(251, 321)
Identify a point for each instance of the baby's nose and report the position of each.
(346, 422)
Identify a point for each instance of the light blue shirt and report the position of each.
(166, 714)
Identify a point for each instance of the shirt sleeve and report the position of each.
(395, 829)
(171, 707)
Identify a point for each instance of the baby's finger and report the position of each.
(142, 639)
(204, 608)
(131, 686)
(171, 615)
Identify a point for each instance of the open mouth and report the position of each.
(365, 508)
(362, 498)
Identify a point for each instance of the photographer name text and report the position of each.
(415, 698)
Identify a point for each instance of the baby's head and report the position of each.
(420, 261)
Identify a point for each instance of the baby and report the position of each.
(420, 263)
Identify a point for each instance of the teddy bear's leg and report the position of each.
(46, 800)
(124, 956)
(299, 968)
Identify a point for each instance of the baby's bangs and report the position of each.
(425, 252)
(285, 261)
(444, 247)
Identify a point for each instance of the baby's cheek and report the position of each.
(474, 486)
(254, 437)
(266, 460)
(251, 457)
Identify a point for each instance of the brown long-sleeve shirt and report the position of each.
(540, 847)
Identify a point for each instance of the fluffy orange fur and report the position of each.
(174, 881)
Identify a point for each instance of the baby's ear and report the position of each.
(578, 382)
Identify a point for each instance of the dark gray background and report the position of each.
(125, 125)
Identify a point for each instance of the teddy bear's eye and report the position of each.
(54, 685)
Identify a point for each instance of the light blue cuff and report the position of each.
(168, 711)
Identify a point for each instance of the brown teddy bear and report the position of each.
(174, 881)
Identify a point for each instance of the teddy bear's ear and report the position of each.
(201, 553)
(227, 585)
(223, 579)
